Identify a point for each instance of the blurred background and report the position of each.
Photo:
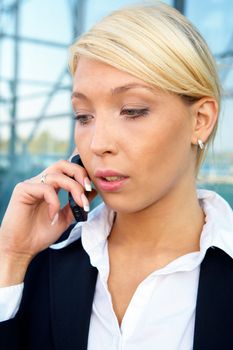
(36, 124)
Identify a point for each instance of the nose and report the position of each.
(103, 139)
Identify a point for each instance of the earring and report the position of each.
(200, 144)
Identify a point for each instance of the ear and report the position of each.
(205, 115)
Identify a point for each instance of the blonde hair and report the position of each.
(158, 45)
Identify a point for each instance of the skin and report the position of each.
(156, 151)
(158, 216)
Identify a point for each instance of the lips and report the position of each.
(107, 173)
(113, 178)
(110, 180)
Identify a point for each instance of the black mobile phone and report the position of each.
(79, 213)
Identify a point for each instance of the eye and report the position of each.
(132, 113)
(83, 119)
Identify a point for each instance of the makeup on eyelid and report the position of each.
(129, 113)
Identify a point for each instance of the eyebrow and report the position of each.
(126, 87)
(76, 94)
(115, 91)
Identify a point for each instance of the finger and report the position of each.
(73, 170)
(30, 194)
(58, 181)
(66, 215)
(63, 219)
(91, 195)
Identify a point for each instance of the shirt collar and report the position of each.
(217, 231)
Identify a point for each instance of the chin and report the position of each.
(122, 204)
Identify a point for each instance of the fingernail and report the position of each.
(85, 202)
(87, 184)
(56, 216)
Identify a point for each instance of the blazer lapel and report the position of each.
(214, 308)
(73, 282)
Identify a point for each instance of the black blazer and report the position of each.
(57, 301)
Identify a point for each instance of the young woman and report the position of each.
(141, 272)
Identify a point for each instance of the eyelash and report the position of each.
(137, 112)
(84, 118)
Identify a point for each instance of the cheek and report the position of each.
(81, 138)
(161, 137)
(163, 150)
(172, 141)
(160, 158)
(82, 143)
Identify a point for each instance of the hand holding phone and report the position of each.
(79, 213)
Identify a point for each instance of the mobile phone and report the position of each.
(79, 213)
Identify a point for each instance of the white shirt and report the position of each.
(161, 313)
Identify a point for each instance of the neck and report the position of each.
(174, 223)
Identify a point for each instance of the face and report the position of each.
(134, 140)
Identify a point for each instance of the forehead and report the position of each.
(92, 69)
(93, 74)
